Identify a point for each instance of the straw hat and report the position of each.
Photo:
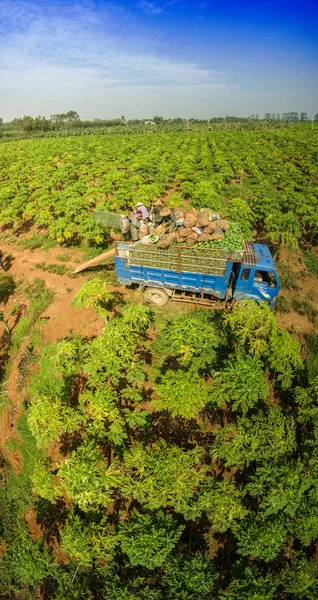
(158, 203)
(165, 212)
(139, 204)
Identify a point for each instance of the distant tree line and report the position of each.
(288, 116)
(70, 123)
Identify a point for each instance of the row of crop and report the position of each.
(56, 183)
(174, 454)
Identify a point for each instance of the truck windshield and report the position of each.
(266, 277)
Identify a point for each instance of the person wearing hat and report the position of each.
(135, 222)
(155, 216)
(168, 218)
(144, 211)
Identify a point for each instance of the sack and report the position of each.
(190, 217)
(203, 218)
(218, 235)
(192, 211)
(225, 225)
(214, 216)
(149, 239)
(192, 237)
(124, 223)
(167, 240)
(211, 227)
(183, 232)
(161, 229)
(143, 229)
(178, 213)
(205, 237)
(189, 220)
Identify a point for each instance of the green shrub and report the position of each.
(312, 360)
(149, 538)
(187, 577)
(56, 269)
(29, 561)
(94, 293)
(305, 307)
(287, 278)
(311, 262)
(282, 304)
(7, 287)
(38, 241)
(31, 289)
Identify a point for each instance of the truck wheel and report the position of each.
(157, 296)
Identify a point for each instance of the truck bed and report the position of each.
(212, 261)
(204, 270)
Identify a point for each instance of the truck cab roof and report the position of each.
(264, 257)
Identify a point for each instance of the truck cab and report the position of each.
(257, 279)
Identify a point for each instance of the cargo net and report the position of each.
(249, 256)
(210, 261)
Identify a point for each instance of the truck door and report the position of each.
(266, 285)
(243, 283)
(256, 284)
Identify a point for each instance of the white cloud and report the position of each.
(150, 8)
(66, 52)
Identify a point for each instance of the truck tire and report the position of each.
(157, 296)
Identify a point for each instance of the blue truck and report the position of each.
(200, 275)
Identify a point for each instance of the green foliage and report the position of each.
(255, 327)
(221, 501)
(86, 540)
(146, 503)
(148, 539)
(311, 362)
(162, 476)
(52, 268)
(288, 279)
(94, 293)
(300, 578)
(181, 393)
(18, 485)
(282, 304)
(115, 350)
(305, 307)
(241, 384)
(44, 483)
(250, 584)
(48, 416)
(7, 286)
(38, 305)
(265, 436)
(28, 561)
(86, 479)
(187, 577)
(259, 538)
(69, 585)
(239, 210)
(31, 289)
(193, 337)
(311, 262)
(38, 240)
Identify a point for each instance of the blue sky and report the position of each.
(169, 57)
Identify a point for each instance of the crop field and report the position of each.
(265, 179)
(167, 453)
